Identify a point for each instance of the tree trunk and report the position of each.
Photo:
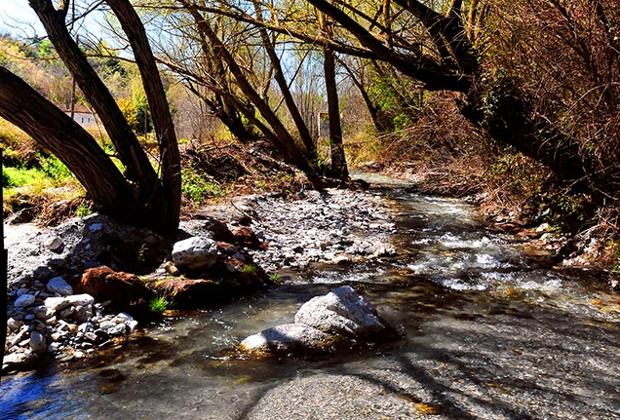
(170, 159)
(54, 130)
(285, 142)
(302, 128)
(129, 151)
(338, 159)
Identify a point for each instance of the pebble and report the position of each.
(14, 324)
(54, 244)
(37, 342)
(335, 227)
(24, 300)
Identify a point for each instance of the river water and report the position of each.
(487, 333)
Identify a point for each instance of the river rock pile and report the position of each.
(341, 317)
(332, 226)
(48, 319)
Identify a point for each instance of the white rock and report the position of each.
(324, 322)
(57, 303)
(24, 300)
(194, 253)
(60, 286)
(37, 342)
(81, 300)
(132, 325)
(15, 359)
(123, 317)
(342, 312)
(14, 324)
(86, 327)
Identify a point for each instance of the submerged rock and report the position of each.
(286, 338)
(339, 318)
(195, 253)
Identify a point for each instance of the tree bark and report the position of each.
(338, 159)
(170, 159)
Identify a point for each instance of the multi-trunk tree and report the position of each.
(140, 195)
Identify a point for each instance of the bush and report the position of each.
(197, 188)
(158, 304)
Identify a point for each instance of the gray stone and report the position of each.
(119, 329)
(60, 286)
(24, 300)
(194, 253)
(83, 313)
(54, 244)
(16, 361)
(14, 324)
(132, 325)
(287, 337)
(86, 327)
(342, 312)
(122, 317)
(37, 342)
(43, 312)
(107, 325)
(321, 324)
(66, 313)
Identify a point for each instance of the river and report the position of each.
(487, 333)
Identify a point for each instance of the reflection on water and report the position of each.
(487, 334)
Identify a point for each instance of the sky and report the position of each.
(17, 18)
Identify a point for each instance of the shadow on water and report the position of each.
(486, 334)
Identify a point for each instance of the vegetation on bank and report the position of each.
(516, 103)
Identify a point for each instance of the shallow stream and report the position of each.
(488, 333)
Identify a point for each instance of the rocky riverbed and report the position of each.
(332, 226)
(50, 317)
(485, 331)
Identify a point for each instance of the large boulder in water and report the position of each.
(341, 312)
(339, 318)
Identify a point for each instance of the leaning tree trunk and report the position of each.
(139, 168)
(60, 134)
(338, 159)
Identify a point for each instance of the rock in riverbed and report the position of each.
(195, 253)
(338, 318)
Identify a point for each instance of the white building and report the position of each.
(84, 118)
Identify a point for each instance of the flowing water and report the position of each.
(487, 333)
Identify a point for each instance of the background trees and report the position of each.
(533, 78)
